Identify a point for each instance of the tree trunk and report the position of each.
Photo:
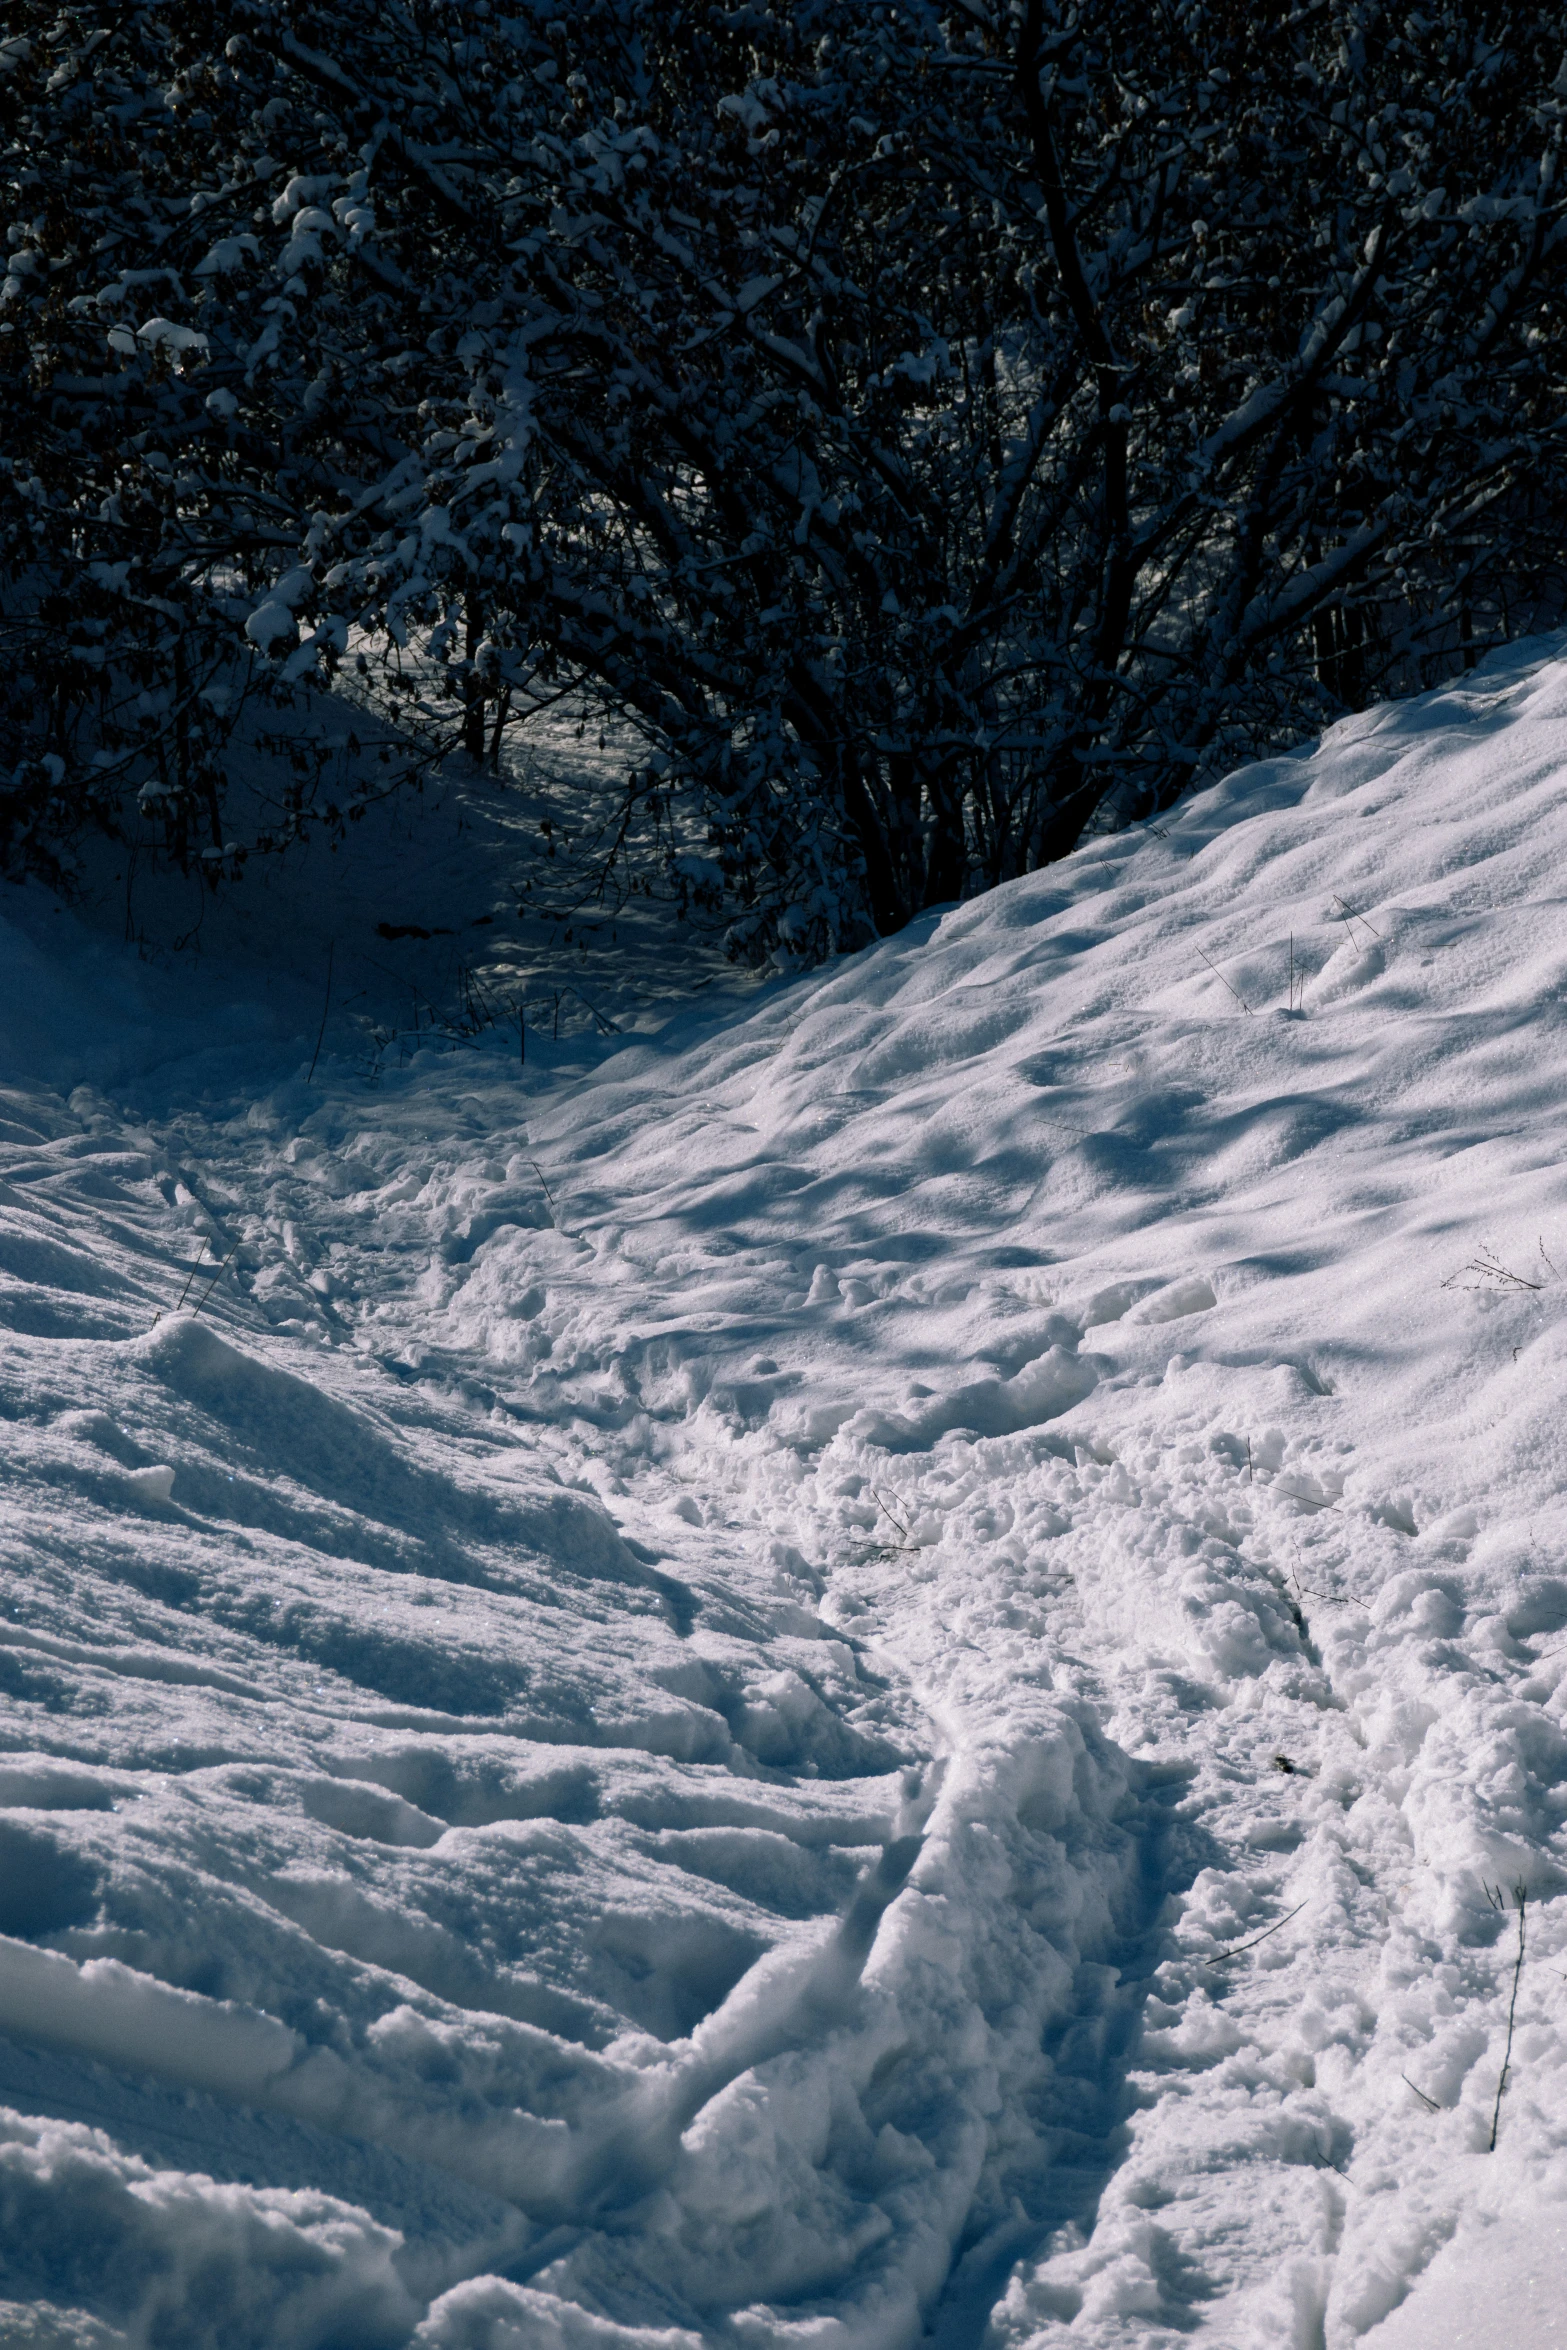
(946, 859)
(887, 909)
(473, 689)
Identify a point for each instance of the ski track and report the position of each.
(661, 1723)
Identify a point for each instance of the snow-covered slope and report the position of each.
(881, 1665)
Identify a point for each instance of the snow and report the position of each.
(1499, 2281)
(870, 1659)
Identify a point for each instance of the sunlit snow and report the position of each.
(881, 1663)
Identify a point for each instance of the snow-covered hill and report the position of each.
(879, 1665)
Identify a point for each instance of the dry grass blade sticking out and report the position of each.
(206, 1249)
(1488, 1272)
(1297, 981)
(1223, 1957)
(1223, 982)
(1521, 1894)
(548, 1194)
(1350, 915)
(906, 1540)
(326, 1006)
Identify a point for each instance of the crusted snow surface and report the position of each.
(884, 1664)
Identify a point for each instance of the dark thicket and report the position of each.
(929, 430)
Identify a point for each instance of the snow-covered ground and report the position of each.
(882, 1662)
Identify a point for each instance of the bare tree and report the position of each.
(932, 430)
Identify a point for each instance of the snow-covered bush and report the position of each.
(166, 447)
(931, 429)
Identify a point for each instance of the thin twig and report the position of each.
(1224, 1956)
(1223, 982)
(1429, 2102)
(1489, 1267)
(888, 1511)
(609, 1027)
(1350, 914)
(891, 1550)
(1293, 1493)
(211, 1285)
(185, 1292)
(325, 1008)
(1512, 2011)
(206, 1249)
(549, 1195)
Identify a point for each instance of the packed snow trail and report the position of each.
(881, 1665)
